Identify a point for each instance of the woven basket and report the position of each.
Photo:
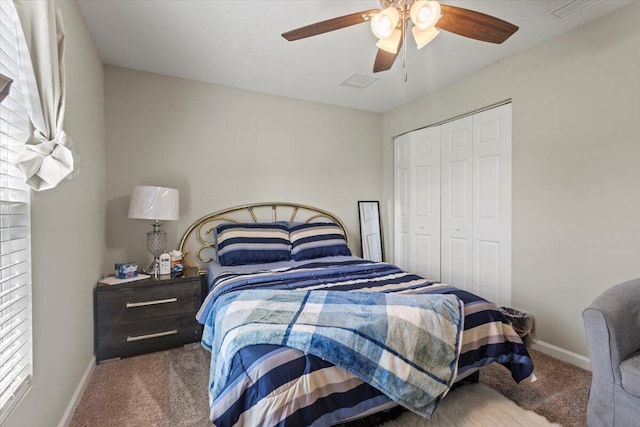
(521, 322)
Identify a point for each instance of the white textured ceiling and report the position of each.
(238, 43)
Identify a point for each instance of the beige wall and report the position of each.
(222, 147)
(68, 241)
(576, 145)
(576, 106)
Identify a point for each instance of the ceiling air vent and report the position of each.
(571, 8)
(359, 80)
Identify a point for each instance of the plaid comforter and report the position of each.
(267, 384)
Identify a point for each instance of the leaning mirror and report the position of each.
(370, 230)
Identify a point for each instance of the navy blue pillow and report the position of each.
(316, 240)
(250, 243)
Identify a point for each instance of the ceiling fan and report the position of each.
(427, 18)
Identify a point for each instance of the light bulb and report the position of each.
(384, 22)
(425, 14)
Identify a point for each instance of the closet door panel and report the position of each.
(402, 162)
(425, 203)
(487, 270)
(458, 262)
(492, 204)
(402, 219)
(423, 251)
(457, 219)
(458, 189)
(488, 187)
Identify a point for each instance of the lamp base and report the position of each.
(156, 245)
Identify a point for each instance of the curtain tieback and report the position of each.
(46, 162)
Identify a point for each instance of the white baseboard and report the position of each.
(65, 421)
(561, 353)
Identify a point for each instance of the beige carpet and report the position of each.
(560, 394)
(162, 389)
(168, 388)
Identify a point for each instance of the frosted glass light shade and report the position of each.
(384, 22)
(422, 38)
(425, 14)
(157, 203)
(390, 44)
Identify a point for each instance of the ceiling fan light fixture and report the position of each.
(422, 38)
(383, 23)
(390, 44)
(425, 14)
(426, 18)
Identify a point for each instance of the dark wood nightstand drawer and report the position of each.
(145, 302)
(147, 315)
(131, 338)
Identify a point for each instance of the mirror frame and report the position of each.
(361, 219)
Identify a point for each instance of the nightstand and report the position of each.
(147, 315)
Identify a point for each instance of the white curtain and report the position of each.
(49, 156)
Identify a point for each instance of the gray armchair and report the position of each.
(612, 323)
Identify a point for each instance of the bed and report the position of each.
(302, 333)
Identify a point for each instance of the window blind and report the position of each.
(15, 238)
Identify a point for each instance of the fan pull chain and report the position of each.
(404, 62)
(404, 42)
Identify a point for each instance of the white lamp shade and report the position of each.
(157, 203)
(384, 22)
(390, 44)
(422, 38)
(425, 14)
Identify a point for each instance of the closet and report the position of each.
(452, 196)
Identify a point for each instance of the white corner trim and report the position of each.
(65, 421)
(560, 353)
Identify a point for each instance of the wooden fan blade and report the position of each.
(385, 60)
(329, 25)
(475, 25)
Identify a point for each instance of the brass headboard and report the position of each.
(197, 243)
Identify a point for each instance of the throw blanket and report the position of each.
(379, 338)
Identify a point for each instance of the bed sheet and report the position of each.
(215, 269)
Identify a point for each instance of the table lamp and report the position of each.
(158, 204)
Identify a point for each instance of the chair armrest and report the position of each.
(612, 323)
(605, 372)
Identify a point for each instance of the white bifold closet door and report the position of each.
(453, 203)
(417, 202)
(492, 205)
(457, 221)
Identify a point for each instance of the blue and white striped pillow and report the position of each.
(316, 240)
(251, 243)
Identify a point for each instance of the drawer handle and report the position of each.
(148, 336)
(145, 303)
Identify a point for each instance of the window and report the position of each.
(15, 241)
